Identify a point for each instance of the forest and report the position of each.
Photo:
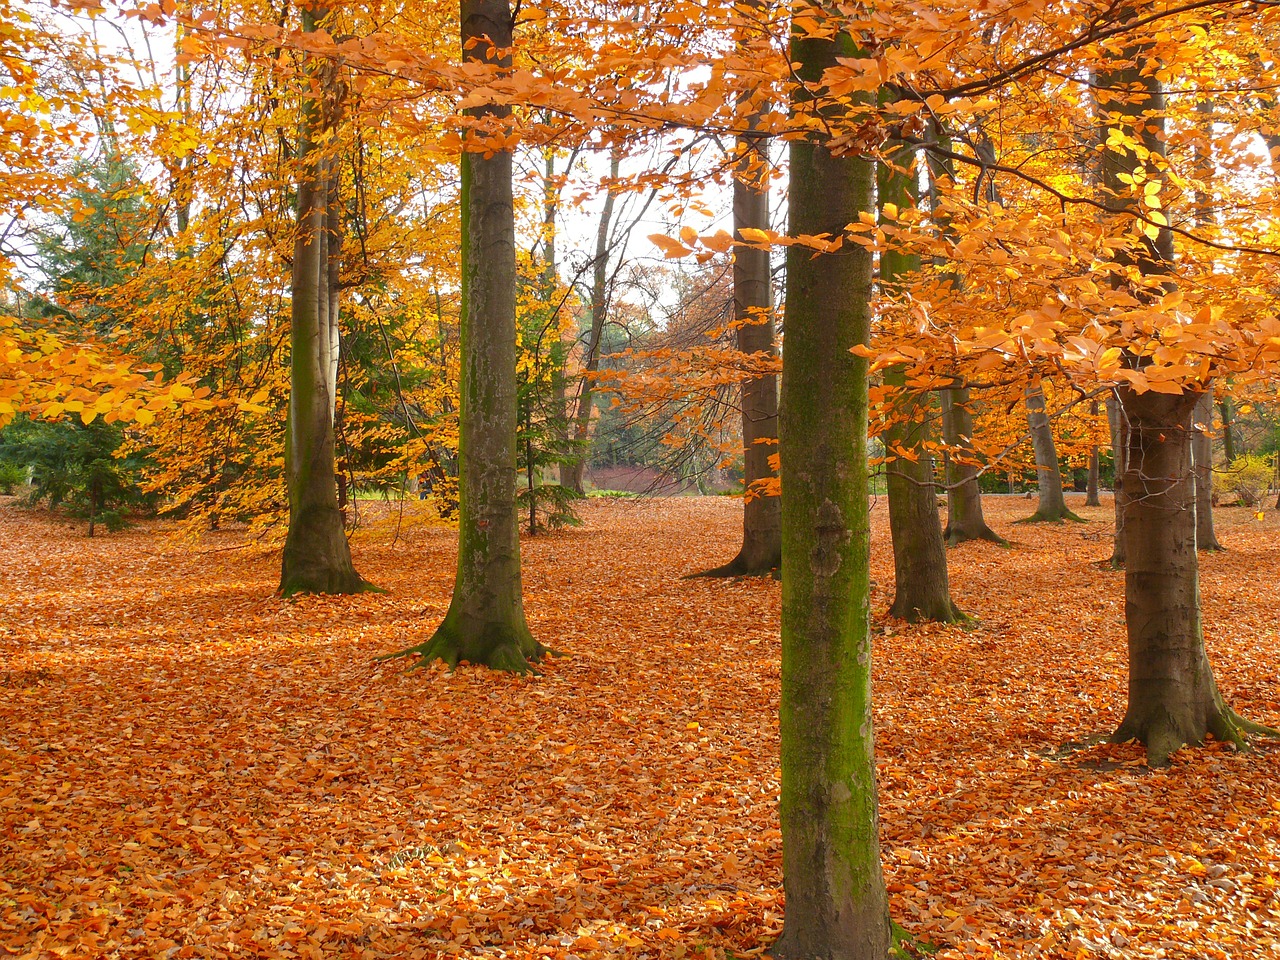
(693, 478)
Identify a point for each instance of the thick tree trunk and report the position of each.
(921, 587)
(836, 904)
(1052, 505)
(965, 520)
(317, 557)
(761, 551)
(1173, 699)
(485, 623)
(1202, 464)
(1119, 449)
(571, 473)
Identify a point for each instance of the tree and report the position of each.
(485, 623)
(921, 587)
(1202, 466)
(753, 315)
(836, 900)
(1052, 505)
(317, 557)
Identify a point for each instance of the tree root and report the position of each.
(1039, 517)
(514, 651)
(1252, 726)
(737, 567)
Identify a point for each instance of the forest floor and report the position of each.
(191, 767)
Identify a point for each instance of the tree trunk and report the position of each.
(1091, 498)
(1052, 505)
(571, 473)
(761, 551)
(485, 623)
(965, 520)
(1173, 699)
(1202, 464)
(836, 903)
(1227, 410)
(921, 588)
(1119, 448)
(317, 557)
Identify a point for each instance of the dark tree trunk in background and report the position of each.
(571, 473)
(761, 551)
(485, 623)
(1202, 464)
(1091, 498)
(922, 590)
(964, 500)
(317, 557)
(1052, 505)
(836, 903)
(1119, 448)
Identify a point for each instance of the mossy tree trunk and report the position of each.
(1052, 505)
(485, 623)
(836, 904)
(1091, 496)
(317, 557)
(965, 520)
(761, 551)
(921, 588)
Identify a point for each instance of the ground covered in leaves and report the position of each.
(192, 767)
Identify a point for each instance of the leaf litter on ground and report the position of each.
(192, 767)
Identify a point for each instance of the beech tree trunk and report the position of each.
(485, 623)
(1226, 409)
(836, 904)
(1052, 505)
(1119, 450)
(1202, 464)
(1173, 699)
(317, 557)
(921, 588)
(571, 473)
(1091, 498)
(965, 520)
(761, 551)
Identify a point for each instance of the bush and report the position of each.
(1248, 477)
(11, 476)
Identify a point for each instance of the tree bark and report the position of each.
(761, 551)
(921, 588)
(1202, 464)
(1052, 505)
(1173, 699)
(1091, 498)
(965, 520)
(485, 623)
(317, 557)
(571, 473)
(1119, 449)
(1226, 408)
(836, 903)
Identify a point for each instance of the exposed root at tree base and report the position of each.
(954, 538)
(946, 612)
(737, 567)
(340, 587)
(1065, 515)
(512, 653)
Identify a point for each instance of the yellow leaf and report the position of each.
(753, 235)
(670, 248)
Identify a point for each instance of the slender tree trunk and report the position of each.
(1119, 450)
(1202, 464)
(317, 557)
(965, 520)
(1052, 505)
(837, 905)
(571, 473)
(761, 551)
(1226, 409)
(485, 623)
(921, 587)
(1091, 498)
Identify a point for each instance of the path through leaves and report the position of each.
(190, 767)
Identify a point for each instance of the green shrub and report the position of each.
(1248, 477)
(11, 476)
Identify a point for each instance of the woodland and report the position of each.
(327, 329)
